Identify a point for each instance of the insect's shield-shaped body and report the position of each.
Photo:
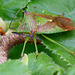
(45, 23)
(30, 22)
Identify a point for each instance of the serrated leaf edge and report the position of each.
(61, 57)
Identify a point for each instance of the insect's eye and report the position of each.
(31, 32)
(26, 12)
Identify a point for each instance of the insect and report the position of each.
(34, 23)
(2, 32)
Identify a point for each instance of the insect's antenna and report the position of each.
(14, 17)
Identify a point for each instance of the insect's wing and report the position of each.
(64, 23)
(72, 23)
(52, 24)
(49, 27)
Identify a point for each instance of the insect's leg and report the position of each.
(36, 46)
(23, 24)
(58, 44)
(20, 33)
(36, 38)
(45, 11)
(14, 17)
(34, 9)
(27, 38)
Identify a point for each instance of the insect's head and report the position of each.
(26, 12)
(32, 32)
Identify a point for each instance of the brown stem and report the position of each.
(10, 40)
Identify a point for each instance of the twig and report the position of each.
(10, 40)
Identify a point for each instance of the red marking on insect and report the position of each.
(26, 13)
(2, 32)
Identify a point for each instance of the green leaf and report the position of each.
(9, 8)
(59, 55)
(14, 67)
(15, 52)
(71, 71)
(54, 6)
(43, 65)
(67, 40)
